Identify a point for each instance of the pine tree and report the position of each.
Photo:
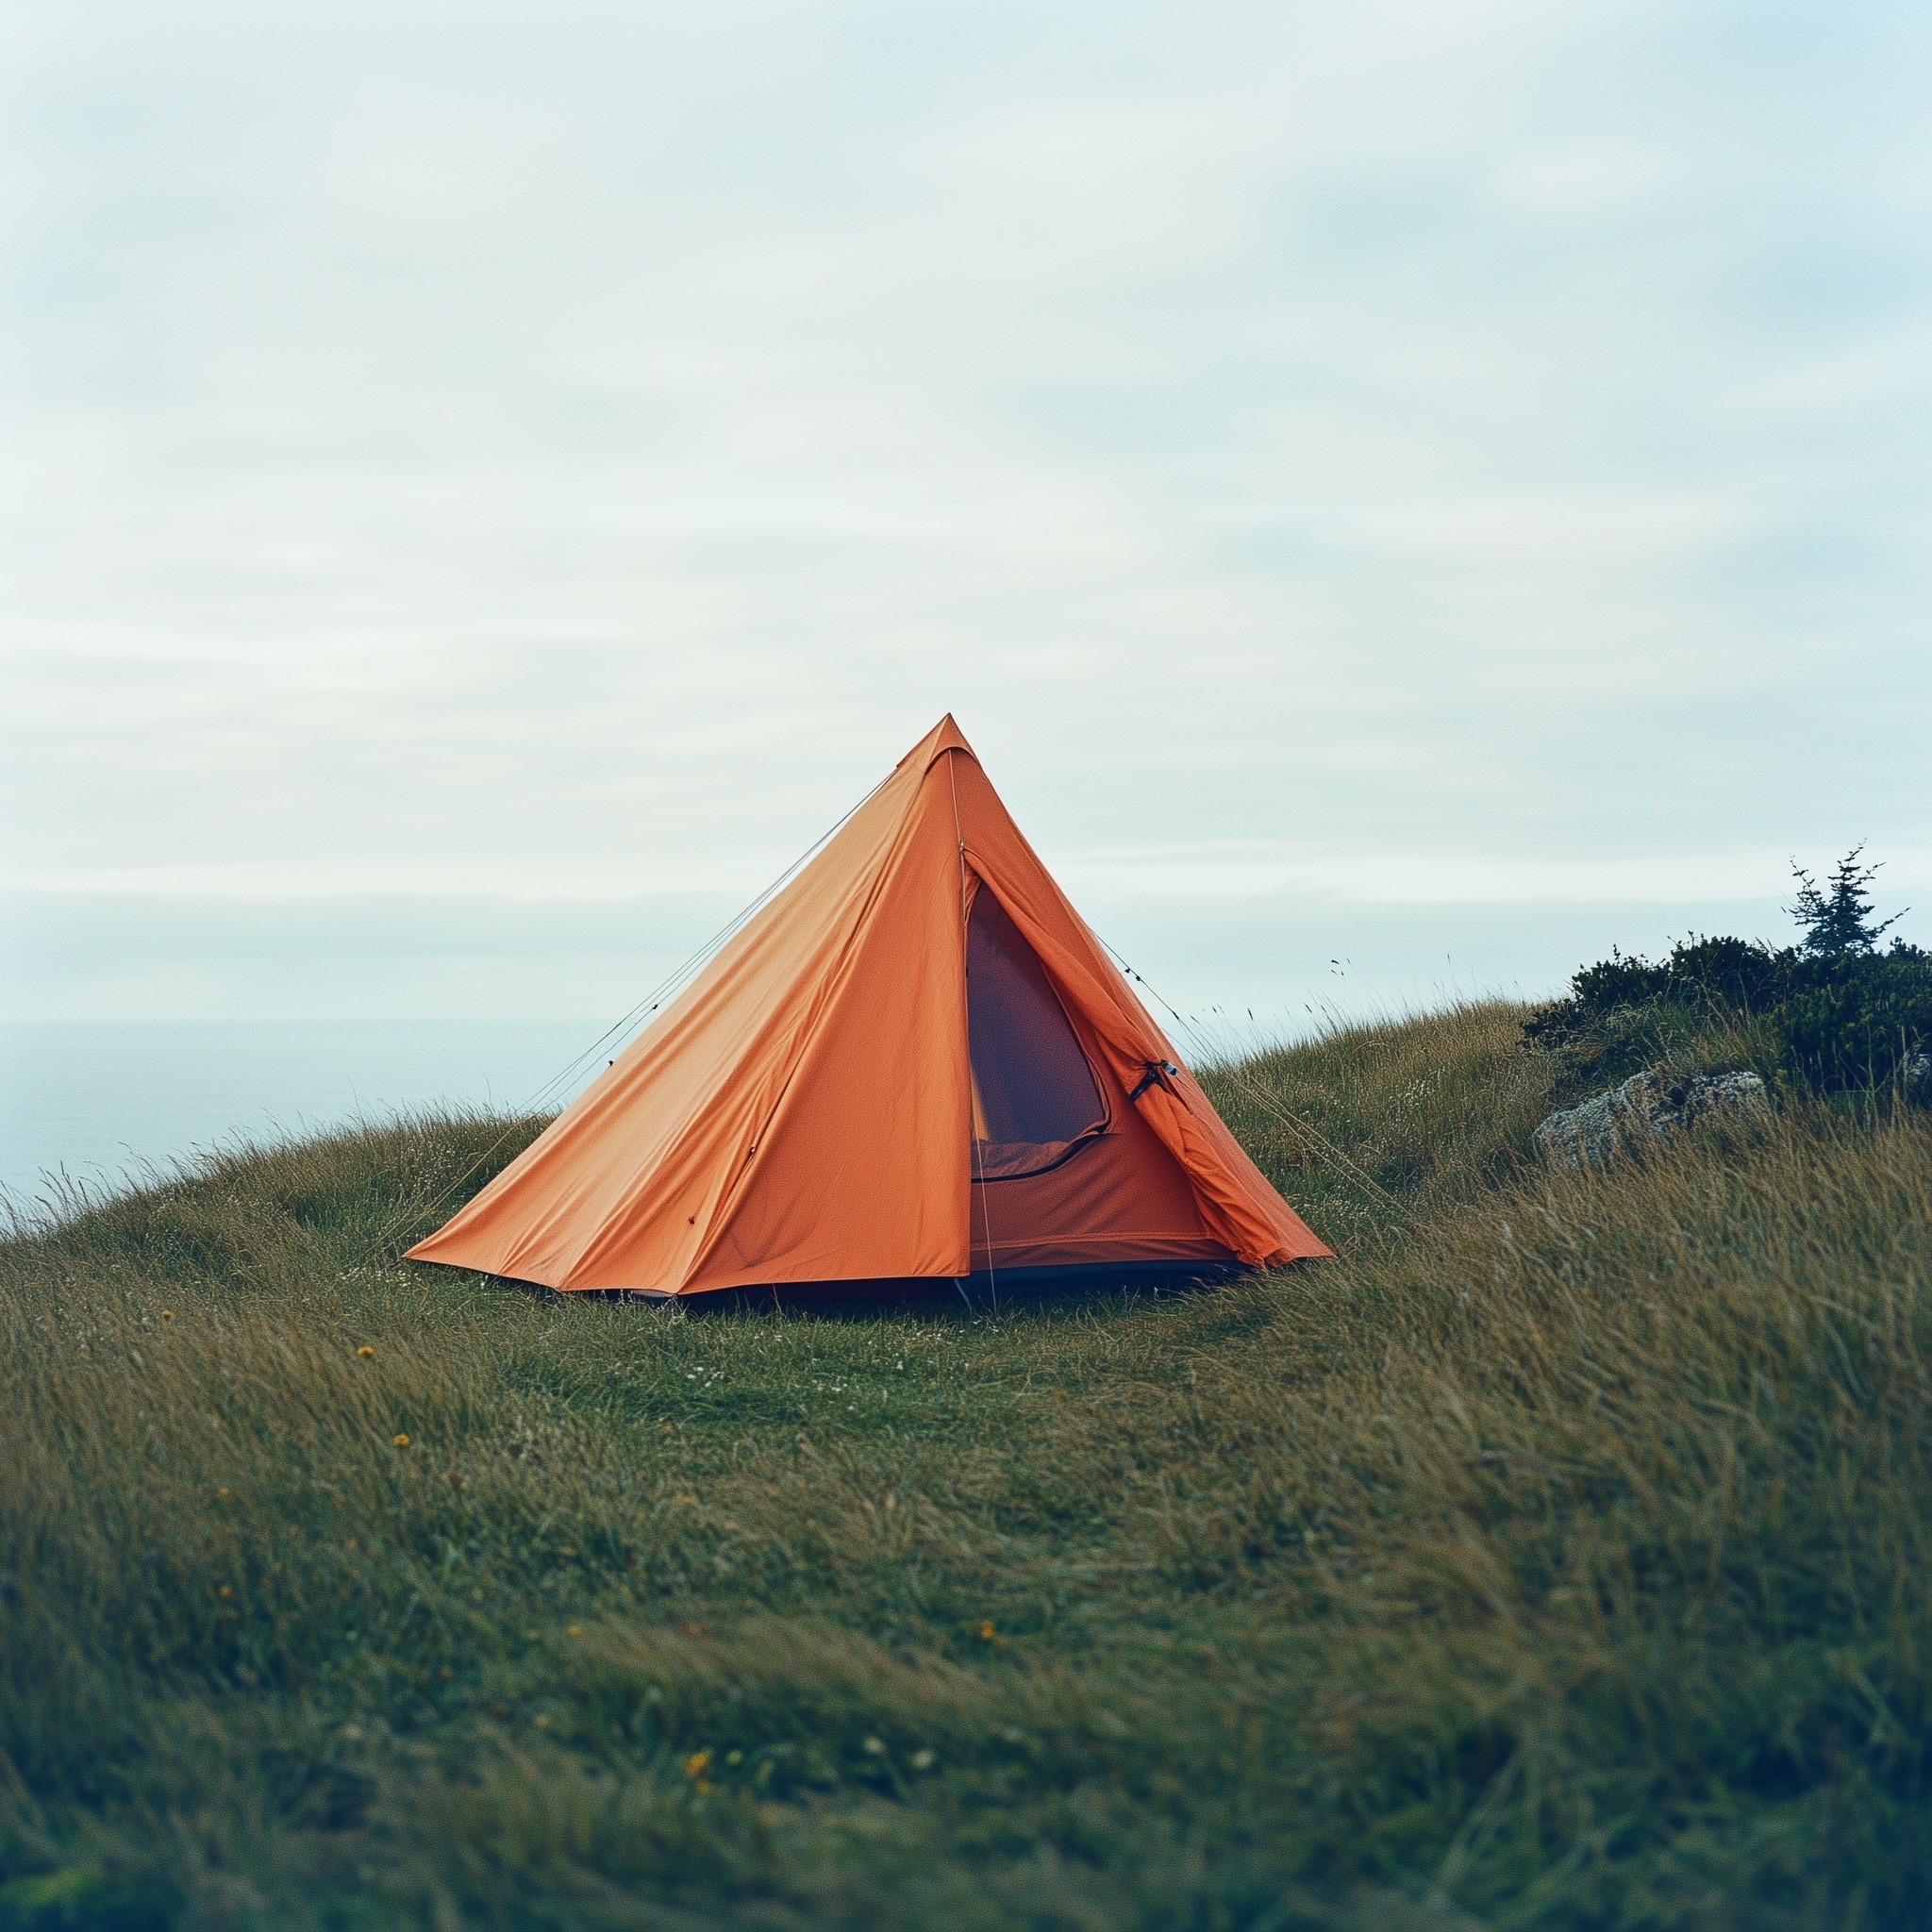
(1837, 918)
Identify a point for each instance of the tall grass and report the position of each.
(1556, 1558)
(1370, 1128)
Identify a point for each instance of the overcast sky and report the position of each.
(1439, 489)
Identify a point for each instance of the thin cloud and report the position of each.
(489, 453)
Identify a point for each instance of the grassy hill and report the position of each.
(1560, 1558)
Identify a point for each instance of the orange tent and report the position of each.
(915, 1064)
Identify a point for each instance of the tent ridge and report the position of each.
(945, 736)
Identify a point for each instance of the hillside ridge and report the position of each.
(1555, 1558)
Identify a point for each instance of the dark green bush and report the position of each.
(1863, 1026)
(1832, 1014)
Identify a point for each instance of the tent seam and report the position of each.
(804, 1038)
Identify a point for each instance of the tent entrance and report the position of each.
(1035, 1100)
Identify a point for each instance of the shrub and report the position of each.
(1831, 1014)
(1864, 1026)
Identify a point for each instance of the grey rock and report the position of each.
(1647, 1108)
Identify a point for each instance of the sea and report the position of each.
(93, 1106)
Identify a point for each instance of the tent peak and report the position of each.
(945, 736)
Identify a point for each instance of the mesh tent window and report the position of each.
(1035, 1100)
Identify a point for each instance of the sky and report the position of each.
(1402, 498)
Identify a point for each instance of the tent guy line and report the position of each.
(1311, 1135)
(617, 1031)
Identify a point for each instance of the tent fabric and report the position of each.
(807, 1110)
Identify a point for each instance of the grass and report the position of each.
(1557, 1559)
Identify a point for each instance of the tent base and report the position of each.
(980, 1290)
